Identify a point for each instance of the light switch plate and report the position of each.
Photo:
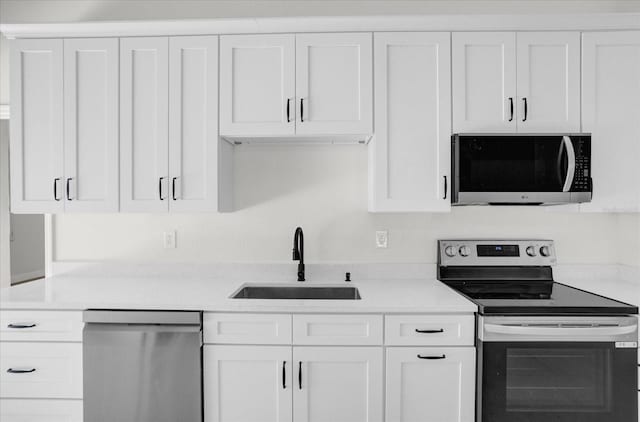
(170, 239)
(382, 238)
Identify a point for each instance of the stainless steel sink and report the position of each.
(265, 291)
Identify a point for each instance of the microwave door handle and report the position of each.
(571, 163)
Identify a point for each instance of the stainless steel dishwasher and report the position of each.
(142, 366)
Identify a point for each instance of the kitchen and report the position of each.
(372, 196)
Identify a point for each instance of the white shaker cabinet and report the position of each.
(548, 82)
(91, 125)
(410, 154)
(611, 113)
(144, 114)
(430, 383)
(193, 124)
(296, 84)
(257, 84)
(248, 383)
(484, 81)
(338, 384)
(36, 142)
(334, 83)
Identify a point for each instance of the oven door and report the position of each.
(546, 370)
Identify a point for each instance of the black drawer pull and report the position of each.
(300, 375)
(284, 374)
(21, 325)
(432, 357)
(441, 330)
(21, 370)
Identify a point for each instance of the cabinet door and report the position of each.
(36, 126)
(143, 124)
(337, 384)
(193, 123)
(610, 112)
(39, 410)
(484, 81)
(410, 155)
(334, 83)
(247, 383)
(91, 124)
(257, 85)
(435, 384)
(548, 66)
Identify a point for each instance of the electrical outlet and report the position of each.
(170, 240)
(382, 238)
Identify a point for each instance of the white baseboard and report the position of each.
(17, 278)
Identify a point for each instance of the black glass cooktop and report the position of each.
(539, 297)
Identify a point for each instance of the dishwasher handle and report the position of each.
(175, 318)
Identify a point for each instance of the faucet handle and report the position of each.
(347, 276)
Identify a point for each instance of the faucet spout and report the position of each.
(298, 252)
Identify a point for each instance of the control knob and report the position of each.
(464, 251)
(544, 251)
(450, 251)
(531, 251)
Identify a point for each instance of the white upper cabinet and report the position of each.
(257, 85)
(611, 113)
(193, 123)
(37, 177)
(304, 84)
(548, 89)
(430, 383)
(516, 82)
(484, 81)
(338, 384)
(410, 153)
(91, 124)
(334, 83)
(144, 129)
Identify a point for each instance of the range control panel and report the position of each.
(461, 252)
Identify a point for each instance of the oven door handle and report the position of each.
(559, 331)
(571, 163)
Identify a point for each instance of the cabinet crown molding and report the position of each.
(460, 22)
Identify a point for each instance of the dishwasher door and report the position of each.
(142, 366)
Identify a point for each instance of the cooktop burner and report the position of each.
(515, 278)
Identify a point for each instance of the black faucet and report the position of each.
(298, 252)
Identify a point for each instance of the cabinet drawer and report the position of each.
(40, 410)
(54, 370)
(40, 325)
(429, 330)
(337, 329)
(247, 328)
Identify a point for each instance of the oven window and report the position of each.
(558, 380)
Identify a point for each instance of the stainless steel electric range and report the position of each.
(546, 351)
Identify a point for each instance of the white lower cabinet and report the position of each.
(247, 383)
(338, 384)
(435, 384)
(21, 410)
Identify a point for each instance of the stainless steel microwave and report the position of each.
(523, 169)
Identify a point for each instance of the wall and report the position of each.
(324, 190)
(27, 247)
(5, 257)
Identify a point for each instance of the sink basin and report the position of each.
(258, 291)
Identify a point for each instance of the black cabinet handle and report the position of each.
(67, 188)
(160, 188)
(300, 375)
(55, 188)
(22, 325)
(511, 108)
(526, 107)
(302, 109)
(288, 110)
(284, 374)
(440, 330)
(173, 188)
(445, 187)
(432, 357)
(21, 370)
